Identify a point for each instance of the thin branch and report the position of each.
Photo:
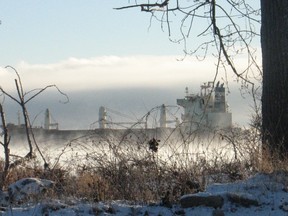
(19, 79)
(43, 89)
(10, 96)
(145, 7)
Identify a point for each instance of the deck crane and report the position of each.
(103, 117)
(103, 122)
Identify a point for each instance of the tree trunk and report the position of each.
(5, 144)
(274, 42)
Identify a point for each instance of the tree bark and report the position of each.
(274, 42)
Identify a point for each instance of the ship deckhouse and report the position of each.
(205, 110)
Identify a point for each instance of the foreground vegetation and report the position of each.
(146, 170)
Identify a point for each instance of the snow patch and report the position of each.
(28, 187)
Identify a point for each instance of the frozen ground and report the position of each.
(261, 194)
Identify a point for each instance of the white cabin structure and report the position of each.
(207, 110)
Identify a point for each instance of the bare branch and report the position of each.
(8, 95)
(19, 79)
(43, 89)
(231, 38)
(146, 7)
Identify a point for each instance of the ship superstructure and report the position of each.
(207, 110)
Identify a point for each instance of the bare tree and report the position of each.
(5, 144)
(22, 101)
(229, 31)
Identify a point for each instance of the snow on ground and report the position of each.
(262, 194)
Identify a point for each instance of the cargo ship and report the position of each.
(205, 111)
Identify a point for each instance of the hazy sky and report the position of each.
(98, 56)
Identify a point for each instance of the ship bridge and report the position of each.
(207, 109)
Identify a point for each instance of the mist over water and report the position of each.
(98, 147)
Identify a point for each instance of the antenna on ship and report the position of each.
(186, 91)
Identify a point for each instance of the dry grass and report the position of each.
(121, 170)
